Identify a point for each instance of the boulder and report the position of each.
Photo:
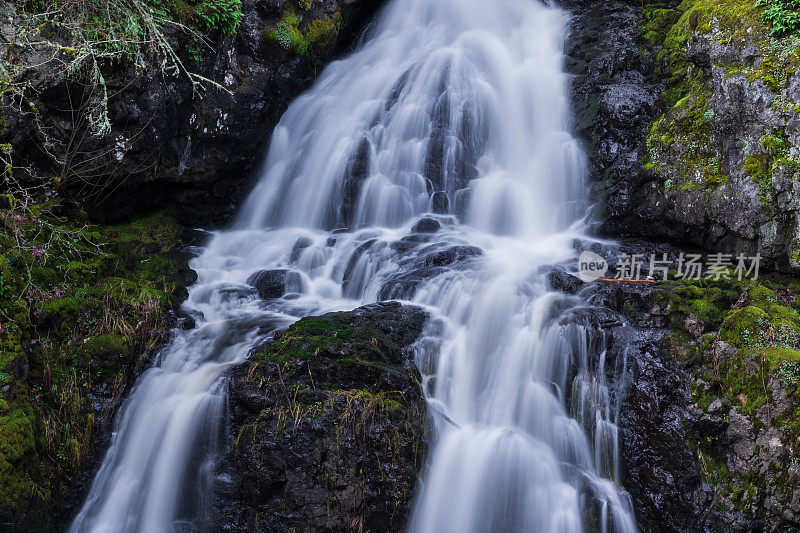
(330, 426)
(273, 283)
(426, 225)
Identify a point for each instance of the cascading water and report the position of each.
(452, 109)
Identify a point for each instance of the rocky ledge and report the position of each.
(707, 377)
(329, 426)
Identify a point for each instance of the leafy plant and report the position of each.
(783, 15)
(789, 372)
(218, 15)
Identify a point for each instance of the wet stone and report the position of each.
(272, 283)
(426, 225)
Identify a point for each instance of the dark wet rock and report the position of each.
(237, 293)
(187, 323)
(329, 426)
(409, 242)
(440, 203)
(462, 199)
(195, 236)
(180, 258)
(404, 286)
(614, 92)
(429, 263)
(426, 225)
(357, 171)
(434, 169)
(358, 253)
(451, 255)
(300, 244)
(273, 283)
(562, 281)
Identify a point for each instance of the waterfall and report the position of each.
(433, 166)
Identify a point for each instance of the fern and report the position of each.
(782, 15)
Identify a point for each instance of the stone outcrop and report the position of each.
(689, 113)
(709, 397)
(329, 426)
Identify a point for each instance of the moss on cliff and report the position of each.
(740, 341)
(687, 145)
(80, 306)
(300, 33)
(681, 146)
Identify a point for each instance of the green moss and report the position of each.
(757, 166)
(324, 31)
(657, 22)
(680, 143)
(159, 271)
(775, 143)
(158, 231)
(302, 39)
(777, 356)
(71, 334)
(63, 311)
(106, 347)
(17, 450)
(306, 338)
(708, 304)
(741, 326)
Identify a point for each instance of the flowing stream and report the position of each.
(456, 113)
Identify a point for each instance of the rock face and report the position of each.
(169, 145)
(690, 118)
(329, 426)
(709, 398)
(615, 93)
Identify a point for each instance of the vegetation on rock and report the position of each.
(740, 342)
(300, 34)
(783, 15)
(725, 150)
(330, 424)
(81, 307)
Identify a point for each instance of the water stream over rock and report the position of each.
(433, 166)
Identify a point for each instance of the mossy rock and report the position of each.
(105, 348)
(342, 387)
(777, 356)
(160, 229)
(64, 311)
(159, 270)
(742, 326)
(17, 450)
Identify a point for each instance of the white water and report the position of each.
(463, 98)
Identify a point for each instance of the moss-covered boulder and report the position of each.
(329, 425)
